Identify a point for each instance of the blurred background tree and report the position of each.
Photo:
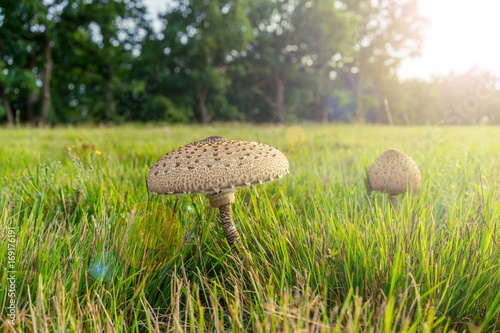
(80, 61)
(193, 51)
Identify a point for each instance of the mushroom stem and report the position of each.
(223, 201)
(394, 199)
(232, 236)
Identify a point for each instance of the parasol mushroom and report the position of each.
(394, 172)
(217, 167)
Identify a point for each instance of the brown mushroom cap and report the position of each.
(394, 172)
(216, 164)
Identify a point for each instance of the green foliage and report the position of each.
(90, 44)
(20, 33)
(385, 32)
(198, 35)
(171, 112)
(12, 78)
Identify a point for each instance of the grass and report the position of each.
(95, 252)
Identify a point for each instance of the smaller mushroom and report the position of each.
(394, 172)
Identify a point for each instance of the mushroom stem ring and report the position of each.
(394, 199)
(221, 198)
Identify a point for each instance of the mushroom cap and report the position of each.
(394, 172)
(216, 164)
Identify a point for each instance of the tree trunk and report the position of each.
(30, 101)
(110, 103)
(324, 114)
(280, 98)
(6, 105)
(327, 83)
(202, 106)
(358, 90)
(357, 96)
(109, 95)
(30, 108)
(5, 100)
(45, 93)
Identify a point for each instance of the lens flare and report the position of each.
(103, 266)
(295, 135)
(148, 236)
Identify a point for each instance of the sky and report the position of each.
(461, 34)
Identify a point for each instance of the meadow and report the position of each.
(95, 252)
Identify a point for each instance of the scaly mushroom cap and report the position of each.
(216, 164)
(394, 172)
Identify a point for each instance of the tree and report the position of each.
(199, 37)
(19, 32)
(327, 29)
(74, 53)
(292, 51)
(103, 35)
(386, 32)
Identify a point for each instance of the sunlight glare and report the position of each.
(461, 35)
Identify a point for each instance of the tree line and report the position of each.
(80, 61)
